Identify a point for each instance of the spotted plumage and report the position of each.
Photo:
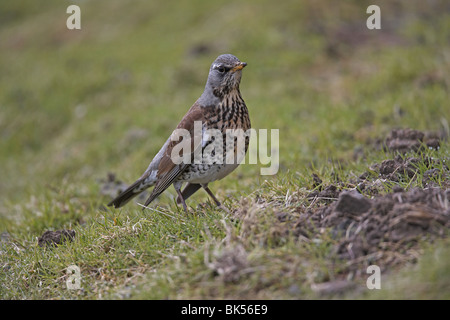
(222, 114)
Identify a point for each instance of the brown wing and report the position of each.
(168, 171)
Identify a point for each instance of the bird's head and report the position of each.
(225, 74)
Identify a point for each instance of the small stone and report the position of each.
(352, 202)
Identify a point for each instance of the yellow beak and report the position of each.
(240, 66)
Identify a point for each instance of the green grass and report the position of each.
(75, 105)
(429, 278)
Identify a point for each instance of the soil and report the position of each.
(385, 229)
(372, 227)
(395, 169)
(405, 140)
(363, 226)
(53, 238)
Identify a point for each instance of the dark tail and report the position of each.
(128, 194)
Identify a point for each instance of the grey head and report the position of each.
(224, 76)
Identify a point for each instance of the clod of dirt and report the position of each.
(53, 238)
(394, 169)
(317, 182)
(405, 140)
(327, 195)
(352, 202)
(431, 176)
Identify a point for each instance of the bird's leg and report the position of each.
(180, 196)
(205, 186)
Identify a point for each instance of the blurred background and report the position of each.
(77, 104)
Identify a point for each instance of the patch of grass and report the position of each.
(428, 277)
(111, 251)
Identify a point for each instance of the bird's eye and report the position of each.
(221, 69)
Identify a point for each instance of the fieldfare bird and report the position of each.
(204, 153)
